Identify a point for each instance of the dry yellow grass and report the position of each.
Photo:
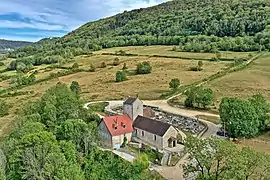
(101, 85)
(261, 143)
(167, 51)
(254, 79)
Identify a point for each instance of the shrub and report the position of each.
(75, 87)
(214, 59)
(200, 64)
(125, 67)
(144, 68)
(2, 63)
(238, 61)
(3, 108)
(103, 65)
(116, 61)
(24, 80)
(121, 52)
(218, 55)
(75, 66)
(174, 84)
(120, 76)
(195, 68)
(92, 68)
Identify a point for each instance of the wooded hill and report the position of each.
(195, 25)
(7, 44)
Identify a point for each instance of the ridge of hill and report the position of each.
(195, 25)
(8, 44)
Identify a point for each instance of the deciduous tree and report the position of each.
(239, 117)
(174, 84)
(120, 76)
(75, 87)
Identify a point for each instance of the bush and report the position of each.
(200, 64)
(174, 84)
(214, 59)
(75, 87)
(125, 67)
(121, 52)
(238, 61)
(2, 63)
(120, 76)
(24, 80)
(75, 66)
(103, 65)
(3, 108)
(116, 61)
(195, 68)
(97, 107)
(92, 68)
(144, 68)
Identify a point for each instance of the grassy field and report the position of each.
(101, 85)
(167, 51)
(254, 79)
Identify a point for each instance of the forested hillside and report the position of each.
(7, 44)
(195, 25)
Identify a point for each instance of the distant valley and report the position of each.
(6, 45)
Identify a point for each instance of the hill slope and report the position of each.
(197, 25)
(7, 44)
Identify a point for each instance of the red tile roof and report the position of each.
(118, 125)
(148, 113)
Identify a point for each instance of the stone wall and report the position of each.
(149, 138)
(104, 135)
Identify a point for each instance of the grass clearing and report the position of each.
(167, 51)
(261, 143)
(249, 81)
(212, 119)
(101, 85)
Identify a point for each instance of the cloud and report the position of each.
(62, 15)
(20, 24)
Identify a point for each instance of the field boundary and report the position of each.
(166, 56)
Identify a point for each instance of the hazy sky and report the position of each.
(35, 19)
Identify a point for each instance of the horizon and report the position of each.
(34, 20)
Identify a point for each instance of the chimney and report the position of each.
(114, 125)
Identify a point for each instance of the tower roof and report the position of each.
(130, 100)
